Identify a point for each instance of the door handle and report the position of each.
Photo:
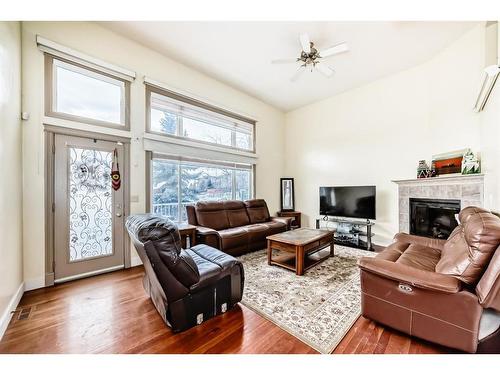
(118, 210)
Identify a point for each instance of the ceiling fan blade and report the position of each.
(334, 50)
(284, 61)
(328, 72)
(305, 42)
(298, 73)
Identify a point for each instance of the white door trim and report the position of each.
(50, 133)
(87, 274)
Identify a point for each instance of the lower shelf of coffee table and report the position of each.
(287, 260)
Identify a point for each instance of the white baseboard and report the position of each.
(135, 261)
(36, 283)
(7, 314)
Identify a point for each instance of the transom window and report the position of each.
(83, 94)
(177, 182)
(174, 115)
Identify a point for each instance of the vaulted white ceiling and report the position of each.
(240, 53)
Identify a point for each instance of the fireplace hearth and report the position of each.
(433, 218)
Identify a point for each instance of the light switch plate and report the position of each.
(134, 198)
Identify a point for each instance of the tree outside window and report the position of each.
(198, 182)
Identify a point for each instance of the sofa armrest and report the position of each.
(409, 275)
(286, 220)
(204, 231)
(418, 240)
(208, 236)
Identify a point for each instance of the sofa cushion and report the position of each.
(233, 237)
(209, 271)
(256, 232)
(393, 251)
(421, 257)
(223, 260)
(212, 215)
(183, 267)
(275, 227)
(236, 213)
(257, 210)
(471, 245)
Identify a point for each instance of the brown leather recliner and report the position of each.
(235, 227)
(187, 286)
(444, 291)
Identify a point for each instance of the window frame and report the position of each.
(51, 93)
(150, 156)
(150, 89)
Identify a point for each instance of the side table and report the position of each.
(188, 235)
(296, 217)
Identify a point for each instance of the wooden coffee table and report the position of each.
(300, 248)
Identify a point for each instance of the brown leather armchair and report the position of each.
(447, 292)
(187, 286)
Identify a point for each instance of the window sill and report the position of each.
(194, 144)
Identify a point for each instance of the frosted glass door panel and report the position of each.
(90, 204)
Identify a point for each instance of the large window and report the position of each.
(176, 183)
(83, 94)
(174, 115)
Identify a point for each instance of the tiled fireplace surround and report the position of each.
(468, 188)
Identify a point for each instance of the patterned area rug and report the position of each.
(318, 308)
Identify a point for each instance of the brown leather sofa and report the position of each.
(235, 227)
(444, 291)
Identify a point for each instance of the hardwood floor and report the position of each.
(111, 314)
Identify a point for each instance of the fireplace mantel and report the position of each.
(455, 178)
(469, 189)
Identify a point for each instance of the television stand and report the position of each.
(352, 233)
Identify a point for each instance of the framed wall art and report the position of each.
(287, 194)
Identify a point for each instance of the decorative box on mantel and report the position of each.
(469, 189)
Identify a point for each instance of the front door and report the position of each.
(88, 216)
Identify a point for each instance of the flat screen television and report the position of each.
(347, 201)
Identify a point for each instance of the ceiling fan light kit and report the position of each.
(311, 57)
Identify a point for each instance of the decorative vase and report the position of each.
(433, 172)
(423, 170)
(470, 163)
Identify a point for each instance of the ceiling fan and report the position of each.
(311, 58)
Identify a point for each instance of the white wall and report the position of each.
(378, 132)
(101, 43)
(11, 272)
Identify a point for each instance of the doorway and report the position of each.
(88, 214)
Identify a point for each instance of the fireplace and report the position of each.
(467, 189)
(433, 218)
